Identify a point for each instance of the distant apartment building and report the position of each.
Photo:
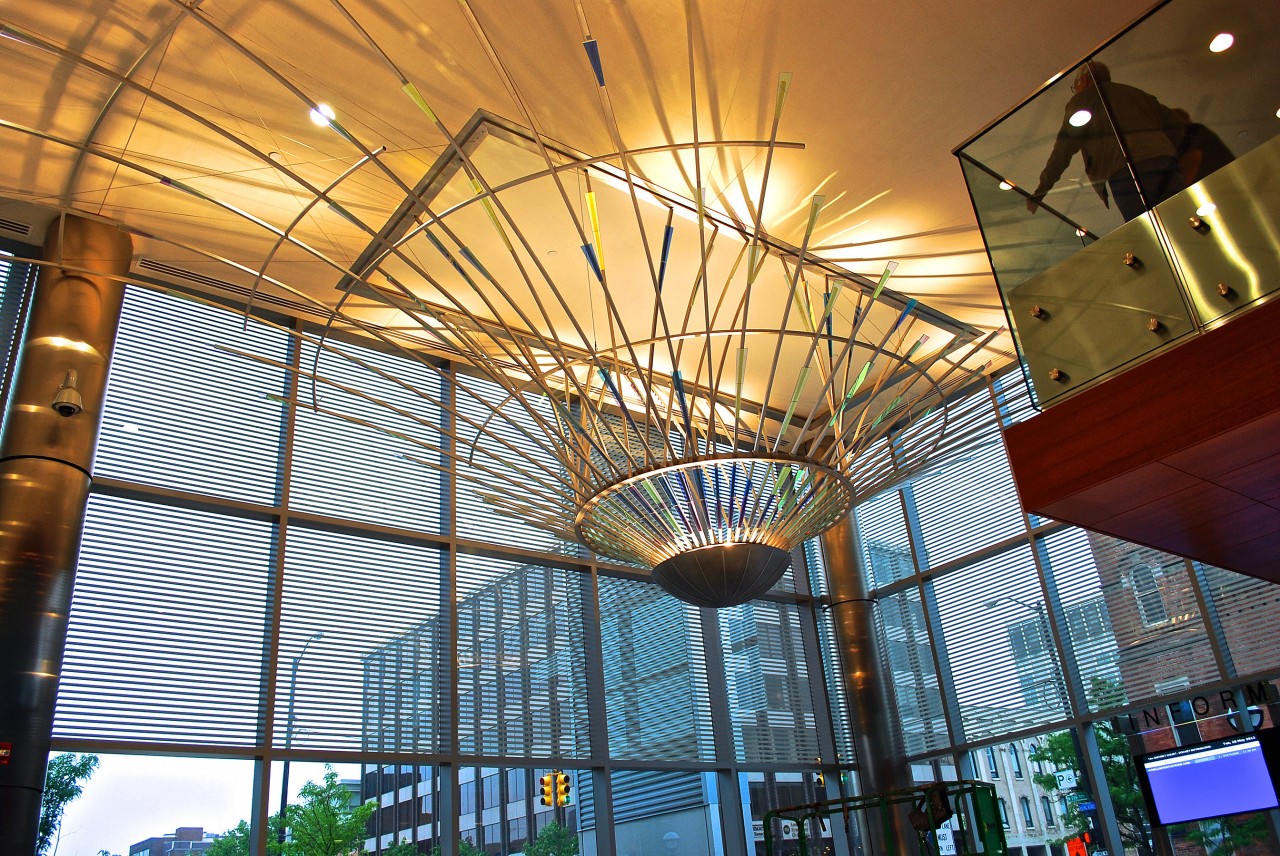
(1031, 816)
(186, 839)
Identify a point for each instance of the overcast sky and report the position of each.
(132, 798)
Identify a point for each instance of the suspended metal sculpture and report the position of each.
(694, 395)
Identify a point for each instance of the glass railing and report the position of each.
(1135, 199)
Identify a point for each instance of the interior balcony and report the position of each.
(1151, 342)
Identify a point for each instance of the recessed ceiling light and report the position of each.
(1080, 118)
(323, 114)
(1004, 185)
(1221, 42)
(1080, 233)
(1206, 209)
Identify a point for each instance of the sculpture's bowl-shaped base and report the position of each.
(722, 574)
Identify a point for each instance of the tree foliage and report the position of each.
(1058, 752)
(1226, 836)
(324, 823)
(62, 784)
(465, 848)
(553, 840)
(404, 847)
(233, 842)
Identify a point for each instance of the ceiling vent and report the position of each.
(16, 227)
(240, 292)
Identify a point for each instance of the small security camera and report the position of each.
(68, 401)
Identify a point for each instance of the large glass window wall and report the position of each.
(1061, 654)
(269, 581)
(319, 596)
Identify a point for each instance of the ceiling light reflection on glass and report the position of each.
(1080, 118)
(1222, 42)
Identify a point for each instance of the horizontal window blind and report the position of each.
(655, 679)
(1156, 619)
(968, 502)
(522, 684)
(908, 660)
(386, 471)
(511, 459)
(1086, 615)
(767, 673)
(15, 278)
(994, 627)
(1249, 611)
(180, 412)
(886, 544)
(167, 627)
(363, 647)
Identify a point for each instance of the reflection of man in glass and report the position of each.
(1148, 128)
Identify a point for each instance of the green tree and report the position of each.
(233, 842)
(1228, 835)
(465, 848)
(62, 784)
(404, 847)
(553, 840)
(324, 823)
(1058, 752)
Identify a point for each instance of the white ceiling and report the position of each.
(108, 104)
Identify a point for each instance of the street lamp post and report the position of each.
(288, 729)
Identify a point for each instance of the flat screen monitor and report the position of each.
(1213, 779)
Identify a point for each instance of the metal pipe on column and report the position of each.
(872, 710)
(46, 457)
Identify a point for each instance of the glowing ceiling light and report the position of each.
(1080, 233)
(1080, 118)
(1004, 185)
(1221, 42)
(323, 114)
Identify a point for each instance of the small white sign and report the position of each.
(946, 843)
(1066, 779)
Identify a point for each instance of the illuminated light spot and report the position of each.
(1080, 233)
(1079, 118)
(1221, 42)
(1206, 209)
(1004, 185)
(323, 114)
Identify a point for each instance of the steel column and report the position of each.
(46, 457)
(872, 710)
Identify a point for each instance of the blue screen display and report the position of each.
(1212, 780)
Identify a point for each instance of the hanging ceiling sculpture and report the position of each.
(692, 393)
(700, 410)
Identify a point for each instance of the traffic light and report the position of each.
(547, 787)
(562, 789)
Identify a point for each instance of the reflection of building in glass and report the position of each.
(521, 683)
(770, 699)
(1161, 633)
(1039, 673)
(906, 648)
(186, 839)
